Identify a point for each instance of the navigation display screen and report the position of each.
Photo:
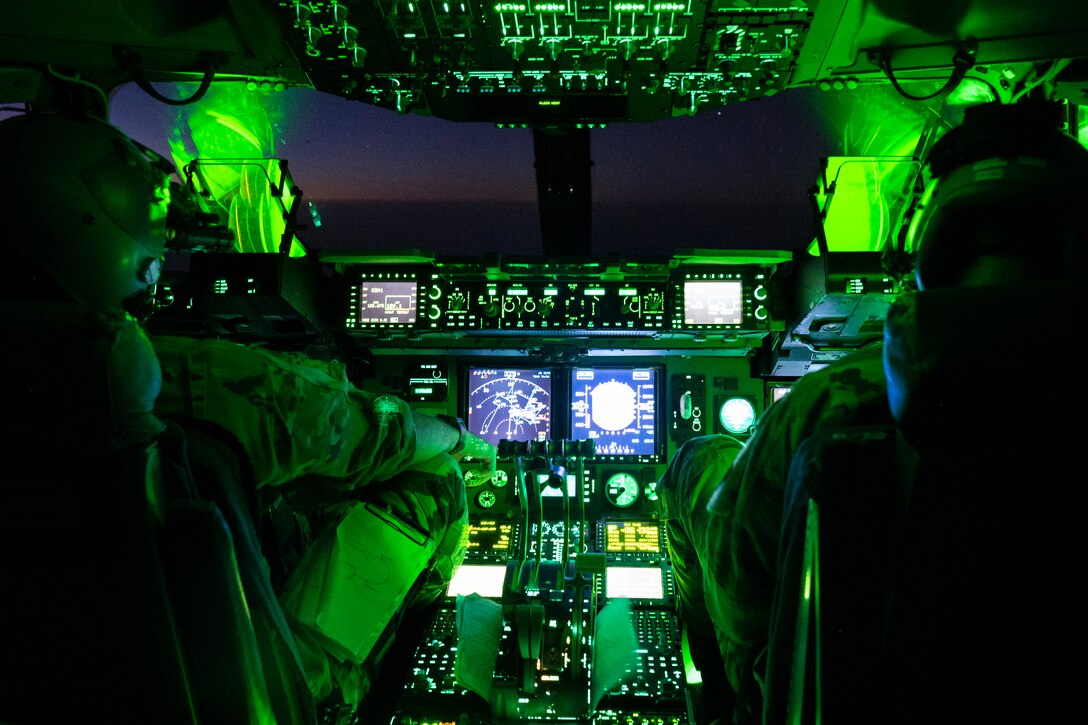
(513, 404)
(713, 303)
(387, 302)
(616, 408)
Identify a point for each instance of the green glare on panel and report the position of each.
(868, 200)
(970, 92)
(864, 191)
(232, 131)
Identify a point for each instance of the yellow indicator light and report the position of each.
(547, 103)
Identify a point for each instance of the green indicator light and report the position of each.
(551, 292)
(669, 7)
(517, 292)
(446, 7)
(409, 35)
(628, 292)
(594, 292)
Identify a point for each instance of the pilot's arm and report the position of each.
(296, 416)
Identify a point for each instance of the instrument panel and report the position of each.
(435, 299)
(572, 61)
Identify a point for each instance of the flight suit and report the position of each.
(746, 510)
(326, 446)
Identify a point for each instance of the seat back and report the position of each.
(123, 596)
(929, 571)
(843, 516)
(86, 612)
(985, 614)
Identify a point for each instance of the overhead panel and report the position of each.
(547, 62)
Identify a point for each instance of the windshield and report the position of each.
(737, 178)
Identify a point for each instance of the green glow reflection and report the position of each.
(233, 122)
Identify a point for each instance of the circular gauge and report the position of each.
(499, 479)
(486, 499)
(621, 489)
(737, 415)
(651, 491)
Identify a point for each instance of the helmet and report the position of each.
(1007, 182)
(86, 206)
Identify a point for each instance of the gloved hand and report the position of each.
(483, 458)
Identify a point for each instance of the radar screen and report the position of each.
(616, 408)
(510, 404)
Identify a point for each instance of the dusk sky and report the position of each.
(731, 178)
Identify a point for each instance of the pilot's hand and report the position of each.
(483, 455)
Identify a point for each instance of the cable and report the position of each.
(1035, 80)
(130, 61)
(75, 80)
(962, 61)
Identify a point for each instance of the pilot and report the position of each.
(693, 474)
(988, 239)
(87, 207)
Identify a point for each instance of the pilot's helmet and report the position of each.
(84, 210)
(1007, 184)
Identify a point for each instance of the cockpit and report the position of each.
(562, 222)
